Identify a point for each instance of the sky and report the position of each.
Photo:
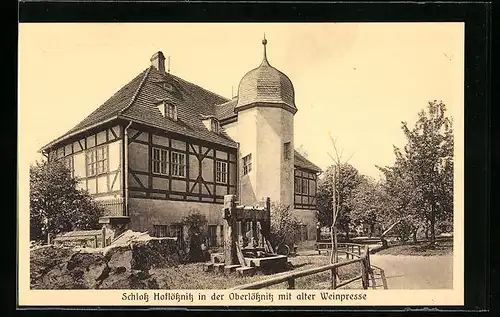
(353, 81)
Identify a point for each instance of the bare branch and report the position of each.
(350, 157)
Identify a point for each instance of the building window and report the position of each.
(298, 185)
(161, 231)
(160, 161)
(286, 149)
(171, 111)
(168, 110)
(221, 172)
(212, 236)
(68, 162)
(97, 161)
(168, 86)
(215, 125)
(304, 186)
(247, 164)
(176, 232)
(178, 164)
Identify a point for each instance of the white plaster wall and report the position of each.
(246, 132)
(275, 174)
(232, 130)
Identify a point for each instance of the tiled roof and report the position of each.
(191, 101)
(137, 101)
(226, 110)
(302, 162)
(113, 105)
(266, 84)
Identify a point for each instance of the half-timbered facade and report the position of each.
(162, 148)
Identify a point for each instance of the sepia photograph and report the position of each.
(159, 158)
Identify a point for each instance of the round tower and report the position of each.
(265, 109)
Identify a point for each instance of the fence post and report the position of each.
(291, 283)
(334, 278)
(103, 236)
(384, 281)
(366, 267)
(49, 238)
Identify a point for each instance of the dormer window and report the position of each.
(215, 125)
(211, 123)
(167, 86)
(168, 110)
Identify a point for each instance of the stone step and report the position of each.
(246, 270)
(208, 267)
(219, 267)
(231, 268)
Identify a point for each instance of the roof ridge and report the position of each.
(134, 97)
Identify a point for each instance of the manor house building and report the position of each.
(161, 148)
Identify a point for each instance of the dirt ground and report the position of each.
(416, 272)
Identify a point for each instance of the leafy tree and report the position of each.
(284, 225)
(348, 178)
(369, 203)
(56, 204)
(421, 180)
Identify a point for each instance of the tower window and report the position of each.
(247, 164)
(286, 149)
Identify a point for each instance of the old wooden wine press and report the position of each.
(251, 250)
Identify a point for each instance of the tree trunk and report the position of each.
(385, 245)
(433, 229)
(415, 236)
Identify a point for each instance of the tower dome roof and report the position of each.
(266, 85)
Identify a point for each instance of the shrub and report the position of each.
(195, 224)
(284, 225)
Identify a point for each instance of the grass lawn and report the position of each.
(442, 247)
(191, 276)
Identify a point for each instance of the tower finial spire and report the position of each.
(264, 42)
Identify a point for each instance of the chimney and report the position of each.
(158, 61)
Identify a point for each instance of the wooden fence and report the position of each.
(114, 207)
(358, 253)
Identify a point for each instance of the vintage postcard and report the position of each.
(217, 164)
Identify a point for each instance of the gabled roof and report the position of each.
(302, 162)
(137, 101)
